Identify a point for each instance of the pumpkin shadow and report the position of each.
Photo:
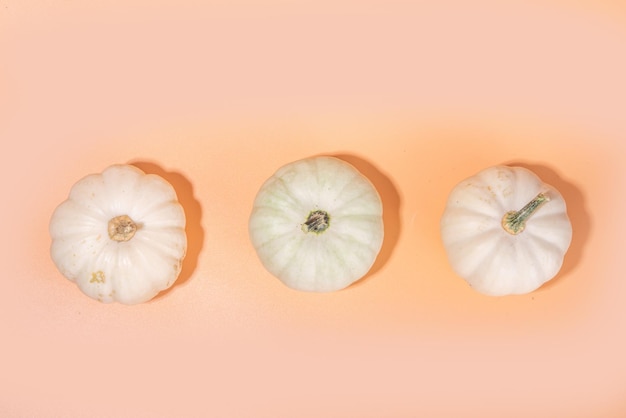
(576, 211)
(391, 210)
(193, 215)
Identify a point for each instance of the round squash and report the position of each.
(317, 225)
(505, 231)
(120, 235)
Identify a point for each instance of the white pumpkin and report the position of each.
(120, 236)
(317, 224)
(505, 231)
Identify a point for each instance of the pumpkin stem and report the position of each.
(514, 222)
(317, 221)
(122, 228)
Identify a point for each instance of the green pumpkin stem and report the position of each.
(514, 222)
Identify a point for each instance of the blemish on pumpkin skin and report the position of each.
(178, 266)
(97, 277)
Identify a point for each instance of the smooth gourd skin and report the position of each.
(490, 259)
(129, 272)
(317, 261)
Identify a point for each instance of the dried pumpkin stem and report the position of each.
(122, 228)
(514, 222)
(317, 222)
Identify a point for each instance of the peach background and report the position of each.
(215, 96)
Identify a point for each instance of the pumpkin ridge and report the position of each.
(553, 245)
(332, 250)
(285, 193)
(122, 183)
(489, 277)
(458, 200)
(141, 210)
(348, 238)
(458, 227)
(365, 192)
(150, 194)
(94, 211)
(276, 237)
(359, 217)
(157, 218)
(65, 252)
(494, 245)
(276, 212)
(126, 272)
(366, 225)
(133, 284)
(338, 192)
(161, 269)
(162, 244)
(92, 186)
(364, 247)
(96, 279)
(336, 166)
(471, 235)
(294, 256)
(78, 227)
(472, 212)
(538, 267)
(76, 209)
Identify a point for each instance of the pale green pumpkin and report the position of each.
(317, 225)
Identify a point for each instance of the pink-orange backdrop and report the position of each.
(214, 96)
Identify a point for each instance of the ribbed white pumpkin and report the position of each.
(120, 236)
(317, 225)
(505, 231)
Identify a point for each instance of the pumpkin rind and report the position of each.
(492, 260)
(132, 271)
(317, 260)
